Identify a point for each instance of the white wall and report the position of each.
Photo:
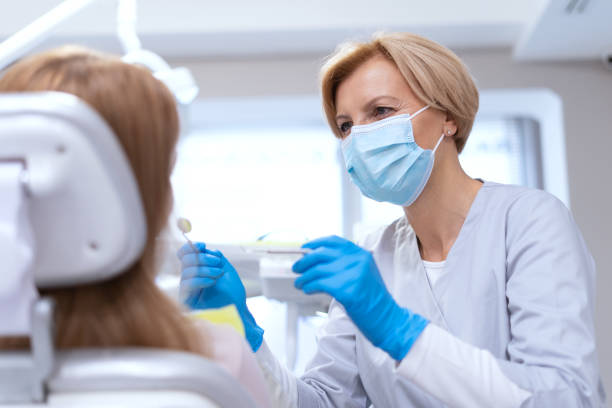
(586, 90)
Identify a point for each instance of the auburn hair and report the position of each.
(129, 309)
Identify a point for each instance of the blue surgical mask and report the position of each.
(385, 162)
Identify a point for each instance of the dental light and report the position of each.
(178, 80)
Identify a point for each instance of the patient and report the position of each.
(130, 310)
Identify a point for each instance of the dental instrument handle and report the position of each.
(184, 225)
(190, 243)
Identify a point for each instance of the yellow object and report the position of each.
(184, 225)
(225, 315)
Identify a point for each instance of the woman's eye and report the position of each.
(345, 127)
(382, 110)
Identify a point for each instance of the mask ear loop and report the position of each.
(419, 111)
(438, 144)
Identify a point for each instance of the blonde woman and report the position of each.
(481, 295)
(130, 310)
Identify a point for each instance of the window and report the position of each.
(237, 184)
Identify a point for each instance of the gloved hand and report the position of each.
(209, 281)
(349, 274)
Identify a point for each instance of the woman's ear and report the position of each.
(450, 127)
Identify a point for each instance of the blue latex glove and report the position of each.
(349, 274)
(209, 281)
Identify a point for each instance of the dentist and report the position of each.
(482, 295)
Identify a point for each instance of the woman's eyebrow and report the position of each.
(342, 116)
(368, 106)
(376, 100)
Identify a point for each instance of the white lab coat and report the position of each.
(511, 320)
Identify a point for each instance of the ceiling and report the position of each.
(568, 29)
(536, 29)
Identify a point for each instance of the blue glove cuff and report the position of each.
(416, 325)
(254, 335)
(399, 341)
(252, 332)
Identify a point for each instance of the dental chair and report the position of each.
(70, 214)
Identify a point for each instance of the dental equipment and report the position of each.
(276, 250)
(37, 31)
(184, 226)
(179, 80)
(71, 214)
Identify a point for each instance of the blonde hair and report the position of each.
(128, 310)
(434, 73)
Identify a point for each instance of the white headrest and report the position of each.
(85, 208)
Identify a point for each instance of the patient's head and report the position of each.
(128, 309)
(138, 107)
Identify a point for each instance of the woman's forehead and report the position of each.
(374, 78)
